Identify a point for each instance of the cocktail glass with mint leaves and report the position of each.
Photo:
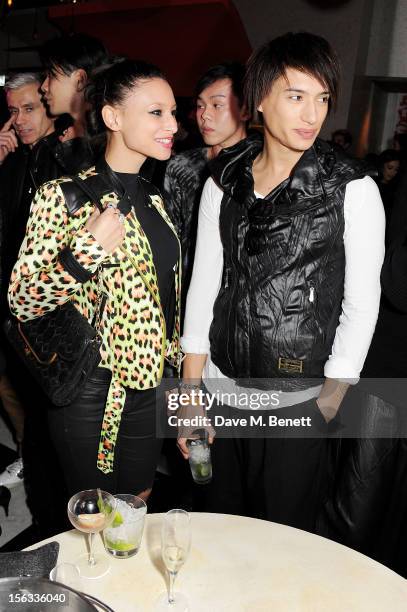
(123, 538)
(200, 460)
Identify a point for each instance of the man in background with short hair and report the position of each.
(25, 160)
(221, 120)
(32, 153)
(20, 161)
(27, 146)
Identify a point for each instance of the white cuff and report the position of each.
(198, 346)
(342, 370)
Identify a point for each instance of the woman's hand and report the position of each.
(107, 228)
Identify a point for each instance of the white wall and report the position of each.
(397, 66)
(381, 36)
(387, 55)
(372, 105)
(390, 120)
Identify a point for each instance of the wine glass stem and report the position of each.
(171, 597)
(91, 560)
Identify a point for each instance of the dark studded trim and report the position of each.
(73, 267)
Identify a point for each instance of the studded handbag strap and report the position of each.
(93, 196)
(101, 295)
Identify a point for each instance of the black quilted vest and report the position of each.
(280, 299)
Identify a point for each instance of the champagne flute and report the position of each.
(91, 511)
(175, 545)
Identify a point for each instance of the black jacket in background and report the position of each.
(367, 508)
(387, 357)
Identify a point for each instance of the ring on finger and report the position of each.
(121, 218)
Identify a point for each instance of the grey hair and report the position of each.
(22, 78)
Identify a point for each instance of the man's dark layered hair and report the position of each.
(68, 53)
(301, 51)
(227, 70)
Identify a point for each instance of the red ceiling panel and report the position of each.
(183, 37)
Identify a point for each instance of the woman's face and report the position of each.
(294, 110)
(146, 119)
(390, 170)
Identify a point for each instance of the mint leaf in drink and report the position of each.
(106, 509)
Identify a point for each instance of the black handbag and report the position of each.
(61, 348)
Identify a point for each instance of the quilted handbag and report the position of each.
(60, 349)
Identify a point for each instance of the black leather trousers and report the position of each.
(75, 431)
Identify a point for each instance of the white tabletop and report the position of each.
(241, 564)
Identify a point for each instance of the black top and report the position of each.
(163, 243)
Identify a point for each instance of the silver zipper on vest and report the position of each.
(311, 296)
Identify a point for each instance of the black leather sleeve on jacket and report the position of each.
(394, 275)
(397, 223)
(2, 363)
(73, 267)
(173, 195)
(1, 248)
(394, 271)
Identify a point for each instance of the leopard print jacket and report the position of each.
(132, 324)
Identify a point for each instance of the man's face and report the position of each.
(339, 139)
(294, 110)
(220, 119)
(59, 91)
(31, 122)
(390, 170)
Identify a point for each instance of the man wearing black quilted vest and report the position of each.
(285, 289)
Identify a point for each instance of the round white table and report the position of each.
(240, 564)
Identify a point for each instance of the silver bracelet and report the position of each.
(187, 387)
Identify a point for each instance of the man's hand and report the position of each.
(193, 366)
(8, 140)
(68, 134)
(186, 432)
(331, 397)
(107, 228)
(182, 443)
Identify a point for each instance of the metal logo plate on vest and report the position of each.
(292, 366)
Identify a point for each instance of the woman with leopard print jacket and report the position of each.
(106, 438)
